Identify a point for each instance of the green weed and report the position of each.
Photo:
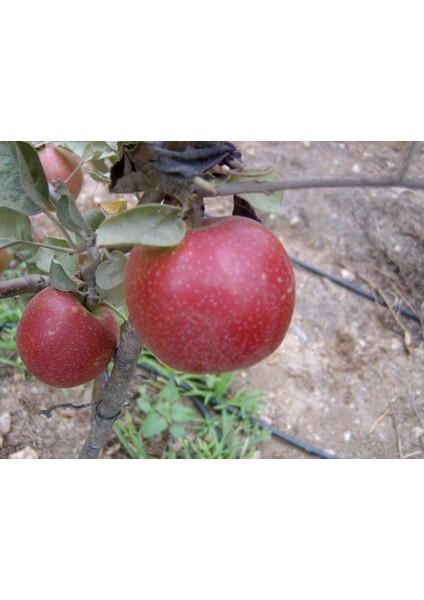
(164, 405)
(11, 310)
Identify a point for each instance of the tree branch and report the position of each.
(27, 284)
(109, 408)
(267, 187)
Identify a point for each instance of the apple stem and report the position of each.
(105, 303)
(77, 168)
(195, 214)
(88, 276)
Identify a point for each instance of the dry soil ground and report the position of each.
(349, 376)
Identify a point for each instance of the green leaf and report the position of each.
(59, 279)
(23, 184)
(152, 425)
(177, 430)
(181, 413)
(93, 217)
(94, 152)
(144, 405)
(271, 202)
(211, 381)
(110, 278)
(99, 151)
(169, 393)
(77, 148)
(67, 211)
(155, 225)
(14, 226)
(114, 295)
(99, 176)
(110, 273)
(45, 257)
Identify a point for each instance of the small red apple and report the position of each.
(61, 342)
(5, 258)
(58, 164)
(220, 301)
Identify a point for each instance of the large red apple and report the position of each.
(61, 342)
(220, 301)
(59, 164)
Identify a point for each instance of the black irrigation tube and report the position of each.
(7, 325)
(281, 435)
(275, 432)
(353, 288)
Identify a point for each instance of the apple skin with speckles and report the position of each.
(220, 301)
(63, 344)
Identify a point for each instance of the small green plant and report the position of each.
(11, 310)
(165, 406)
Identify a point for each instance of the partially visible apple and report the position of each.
(61, 342)
(58, 164)
(5, 258)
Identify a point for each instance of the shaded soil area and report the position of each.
(348, 378)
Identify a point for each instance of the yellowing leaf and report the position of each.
(114, 207)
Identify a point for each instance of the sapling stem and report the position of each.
(116, 392)
(88, 276)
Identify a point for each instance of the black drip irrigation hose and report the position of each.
(231, 409)
(353, 288)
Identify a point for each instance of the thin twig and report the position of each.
(380, 418)
(27, 284)
(227, 189)
(412, 454)
(406, 333)
(399, 447)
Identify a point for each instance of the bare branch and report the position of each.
(27, 284)
(109, 408)
(414, 183)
